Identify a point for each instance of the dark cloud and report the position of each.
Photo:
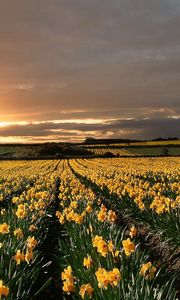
(142, 128)
(91, 58)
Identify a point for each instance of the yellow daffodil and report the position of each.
(4, 290)
(148, 270)
(128, 247)
(4, 228)
(87, 262)
(86, 289)
(18, 233)
(18, 257)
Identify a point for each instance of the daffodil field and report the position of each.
(90, 229)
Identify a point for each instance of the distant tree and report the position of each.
(89, 140)
(172, 138)
(166, 139)
(108, 155)
(158, 139)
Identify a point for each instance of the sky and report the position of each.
(71, 69)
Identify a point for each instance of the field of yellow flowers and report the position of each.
(90, 229)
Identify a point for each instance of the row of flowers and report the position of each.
(152, 183)
(102, 260)
(30, 192)
(147, 188)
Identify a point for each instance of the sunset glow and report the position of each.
(4, 124)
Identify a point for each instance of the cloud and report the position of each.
(125, 128)
(96, 59)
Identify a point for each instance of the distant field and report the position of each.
(68, 150)
(7, 149)
(148, 143)
(136, 150)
